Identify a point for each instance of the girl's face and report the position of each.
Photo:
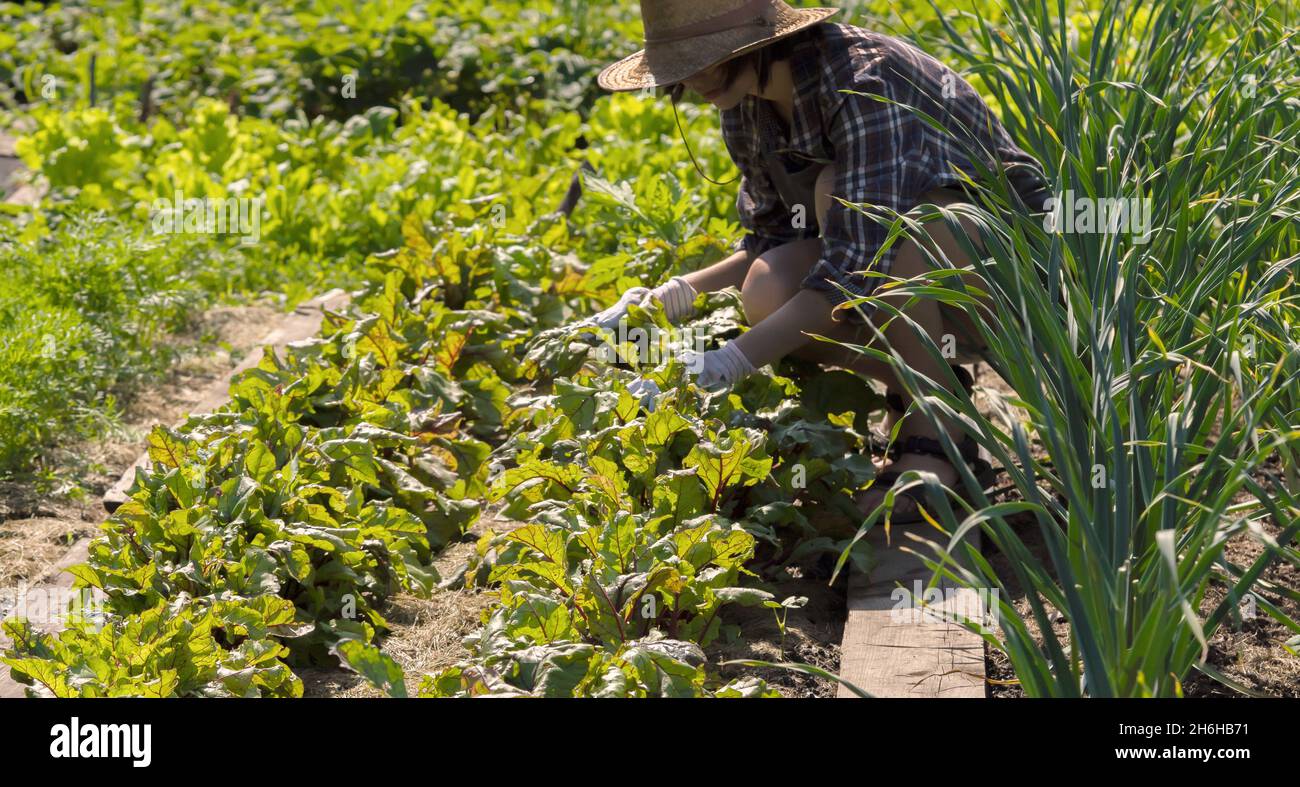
(711, 85)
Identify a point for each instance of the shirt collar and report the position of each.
(805, 70)
(806, 129)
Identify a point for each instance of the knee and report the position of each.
(763, 291)
(909, 261)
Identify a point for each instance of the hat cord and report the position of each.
(677, 92)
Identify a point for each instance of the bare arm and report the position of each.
(784, 331)
(729, 272)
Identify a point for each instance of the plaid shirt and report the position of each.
(887, 156)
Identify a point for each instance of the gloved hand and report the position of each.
(718, 370)
(645, 391)
(677, 296)
(610, 318)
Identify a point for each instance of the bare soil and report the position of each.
(1253, 655)
(426, 633)
(812, 635)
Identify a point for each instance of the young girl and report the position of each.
(776, 73)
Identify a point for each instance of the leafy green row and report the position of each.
(309, 55)
(330, 479)
(221, 648)
(642, 526)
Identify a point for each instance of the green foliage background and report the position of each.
(268, 536)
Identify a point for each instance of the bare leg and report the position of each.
(775, 277)
(935, 320)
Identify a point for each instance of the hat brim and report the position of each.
(670, 63)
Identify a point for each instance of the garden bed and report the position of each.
(1255, 656)
(43, 515)
(460, 395)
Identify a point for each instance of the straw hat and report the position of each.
(685, 37)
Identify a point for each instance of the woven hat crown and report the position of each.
(665, 20)
(684, 37)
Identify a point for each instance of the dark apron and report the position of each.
(795, 187)
(794, 175)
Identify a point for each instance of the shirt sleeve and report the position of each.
(880, 154)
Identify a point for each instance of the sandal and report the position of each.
(967, 448)
(878, 441)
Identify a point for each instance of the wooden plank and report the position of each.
(8, 168)
(893, 647)
(26, 195)
(303, 323)
(12, 190)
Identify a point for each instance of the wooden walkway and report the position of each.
(12, 188)
(891, 649)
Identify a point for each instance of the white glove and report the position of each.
(718, 370)
(645, 391)
(677, 296)
(610, 318)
